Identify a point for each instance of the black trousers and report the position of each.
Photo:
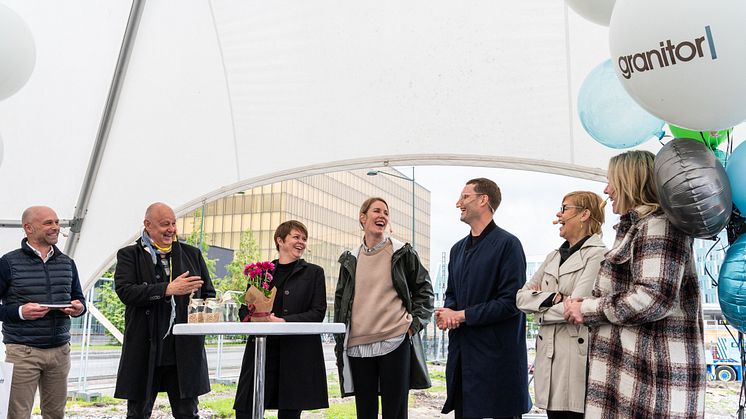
(560, 414)
(165, 377)
(388, 372)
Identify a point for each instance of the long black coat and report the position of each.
(299, 371)
(140, 291)
(491, 344)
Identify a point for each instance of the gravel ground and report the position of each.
(721, 400)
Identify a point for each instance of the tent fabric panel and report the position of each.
(171, 137)
(49, 126)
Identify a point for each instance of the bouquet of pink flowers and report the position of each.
(260, 275)
(259, 298)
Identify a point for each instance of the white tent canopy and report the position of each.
(222, 95)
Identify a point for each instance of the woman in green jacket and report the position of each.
(385, 297)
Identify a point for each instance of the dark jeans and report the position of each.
(560, 414)
(391, 372)
(167, 378)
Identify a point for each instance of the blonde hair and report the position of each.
(593, 203)
(368, 202)
(632, 176)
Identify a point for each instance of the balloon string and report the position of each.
(707, 271)
(728, 148)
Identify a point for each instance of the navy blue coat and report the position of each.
(491, 343)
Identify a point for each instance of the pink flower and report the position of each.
(260, 275)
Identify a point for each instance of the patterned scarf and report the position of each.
(157, 253)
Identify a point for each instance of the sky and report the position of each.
(530, 202)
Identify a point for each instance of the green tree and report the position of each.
(108, 302)
(248, 251)
(200, 239)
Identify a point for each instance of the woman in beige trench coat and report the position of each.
(570, 271)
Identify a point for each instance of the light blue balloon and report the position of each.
(732, 284)
(736, 170)
(610, 115)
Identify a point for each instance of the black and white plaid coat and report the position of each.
(646, 356)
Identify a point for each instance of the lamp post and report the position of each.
(414, 205)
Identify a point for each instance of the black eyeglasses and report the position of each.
(563, 207)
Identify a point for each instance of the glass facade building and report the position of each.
(709, 257)
(328, 204)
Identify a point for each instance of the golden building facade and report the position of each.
(328, 204)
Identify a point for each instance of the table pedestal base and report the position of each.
(260, 357)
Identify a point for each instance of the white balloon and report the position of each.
(684, 61)
(597, 11)
(17, 52)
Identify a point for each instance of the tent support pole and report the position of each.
(86, 190)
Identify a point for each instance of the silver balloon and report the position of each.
(693, 188)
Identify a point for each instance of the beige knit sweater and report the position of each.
(377, 311)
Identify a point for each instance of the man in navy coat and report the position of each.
(487, 366)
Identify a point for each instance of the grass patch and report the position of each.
(223, 408)
(223, 388)
(344, 410)
(220, 400)
(332, 385)
(437, 375)
(102, 401)
(438, 379)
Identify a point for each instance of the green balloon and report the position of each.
(710, 139)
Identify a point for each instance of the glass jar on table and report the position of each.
(213, 311)
(196, 310)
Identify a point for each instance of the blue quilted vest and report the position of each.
(35, 281)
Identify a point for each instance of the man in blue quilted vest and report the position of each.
(40, 290)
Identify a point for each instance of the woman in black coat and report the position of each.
(295, 377)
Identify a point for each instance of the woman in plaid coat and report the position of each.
(646, 357)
